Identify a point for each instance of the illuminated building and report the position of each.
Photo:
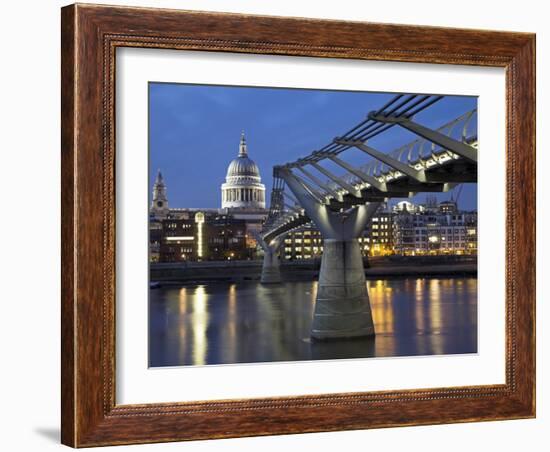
(226, 233)
(202, 236)
(444, 230)
(228, 239)
(377, 238)
(155, 238)
(448, 207)
(406, 229)
(179, 240)
(305, 243)
(243, 188)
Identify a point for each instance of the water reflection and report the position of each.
(223, 323)
(199, 325)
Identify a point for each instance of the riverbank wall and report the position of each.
(375, 268)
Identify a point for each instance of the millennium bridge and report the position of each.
(340, 205)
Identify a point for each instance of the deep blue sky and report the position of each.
(194, 133)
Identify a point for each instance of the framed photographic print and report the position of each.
(281, 225)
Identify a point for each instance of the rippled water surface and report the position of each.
(223, 323)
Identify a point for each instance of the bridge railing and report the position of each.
(420, 153)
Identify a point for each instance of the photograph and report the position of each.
(275, 220)
(291, 224)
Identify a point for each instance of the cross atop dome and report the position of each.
(243, 152)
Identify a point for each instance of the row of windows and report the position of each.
(176, 249)
(315, 249)
(414, 222)
(380, 219)
(175, 225)
(289, 241)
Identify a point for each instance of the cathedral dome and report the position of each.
(243, 186)
(243, 166)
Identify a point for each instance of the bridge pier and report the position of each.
(342, 306)
(271, 267)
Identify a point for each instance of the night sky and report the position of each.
(194, 132)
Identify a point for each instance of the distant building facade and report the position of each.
(439, 230)
(197, 235)
(407, 229)
(226, 233)
(305, 243)
(376, 240)
(377, 237)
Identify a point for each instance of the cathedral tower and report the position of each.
(159, 205)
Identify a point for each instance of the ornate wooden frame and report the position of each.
(90, 35)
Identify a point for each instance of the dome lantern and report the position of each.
(243, 152)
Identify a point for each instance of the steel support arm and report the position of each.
(371, 180)
(290, 197)
(320, 183)
(305, 187)
(300, 189)
(415, 174)
(338, 180)
(462, 149)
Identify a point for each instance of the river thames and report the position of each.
(247, 322)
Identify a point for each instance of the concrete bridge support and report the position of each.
(271, 268)
(342, 307)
